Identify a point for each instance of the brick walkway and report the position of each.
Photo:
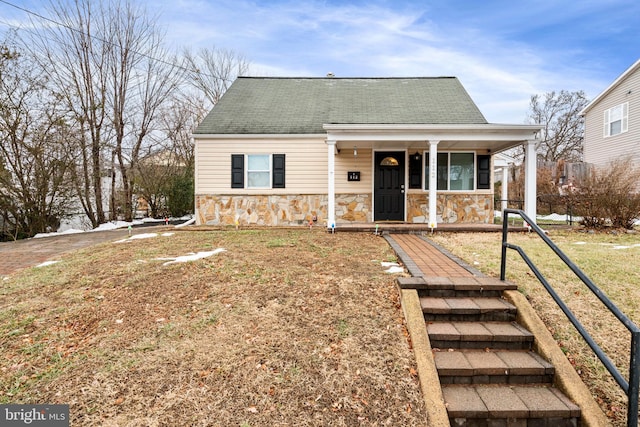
(425, 259)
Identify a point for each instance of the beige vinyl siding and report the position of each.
(600, 150)
(346, 162)
(306, 164)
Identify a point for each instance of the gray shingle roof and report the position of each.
(257, 105)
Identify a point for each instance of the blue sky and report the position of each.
(503, 51)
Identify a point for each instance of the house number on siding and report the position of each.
(353, 176)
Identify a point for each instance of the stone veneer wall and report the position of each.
(280, 209)
(353, 208)
(452, 208)
(350, 208)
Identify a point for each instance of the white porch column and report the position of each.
(530, 167)
(505, 188)
(433, 184)
(331, 190)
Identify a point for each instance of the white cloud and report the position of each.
(369, 40)
(502, 53)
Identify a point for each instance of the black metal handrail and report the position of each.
(631, 387)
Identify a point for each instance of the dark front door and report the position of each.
(389, 186)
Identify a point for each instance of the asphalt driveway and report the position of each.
(30, 252)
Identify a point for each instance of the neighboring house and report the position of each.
(612, 121)
(287, 151)
(502, 163)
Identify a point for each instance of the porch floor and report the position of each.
(404, 227)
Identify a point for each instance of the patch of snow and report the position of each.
(46, 263)
(68, 231)
(113, 225)
(167, 234)
(389, 264)
(626, 247)
(148, 220)
(394, 269)
(189, 222)
(579, 243)
(138, 237)
(556, 217)
(190, 257)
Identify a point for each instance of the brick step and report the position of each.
(493, 367)
(467, 335)
(495, 405)
(456, 287)
(469, 309)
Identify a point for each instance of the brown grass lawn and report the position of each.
(609, 259)
(286, 327)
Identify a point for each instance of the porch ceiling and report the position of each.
(492, 137)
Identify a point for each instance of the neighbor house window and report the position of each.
(457, 172)
(616, 119)
(257, 171)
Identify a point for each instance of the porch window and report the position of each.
(461, 171)
(616, 120)
(456, 171)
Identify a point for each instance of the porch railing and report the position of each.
(630, 387)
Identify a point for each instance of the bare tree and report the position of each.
(563, 131)
(75, 62)
(179, 120)
(107, 59)
(34, 156)
(164, 177)
(106, 62)
(212, 70)
(143, 76)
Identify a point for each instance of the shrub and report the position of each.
(609, 196)
(180, 194)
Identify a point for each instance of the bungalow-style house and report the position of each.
(331, 151)
(612, 121)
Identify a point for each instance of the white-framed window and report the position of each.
(616, 120)
(456, 171)
(258, 171)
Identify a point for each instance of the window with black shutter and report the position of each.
(278, 171)
(237, 171)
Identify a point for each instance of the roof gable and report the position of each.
(624, 76)
(257, 105)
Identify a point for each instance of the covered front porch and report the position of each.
(406, 161)
(422, 229)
